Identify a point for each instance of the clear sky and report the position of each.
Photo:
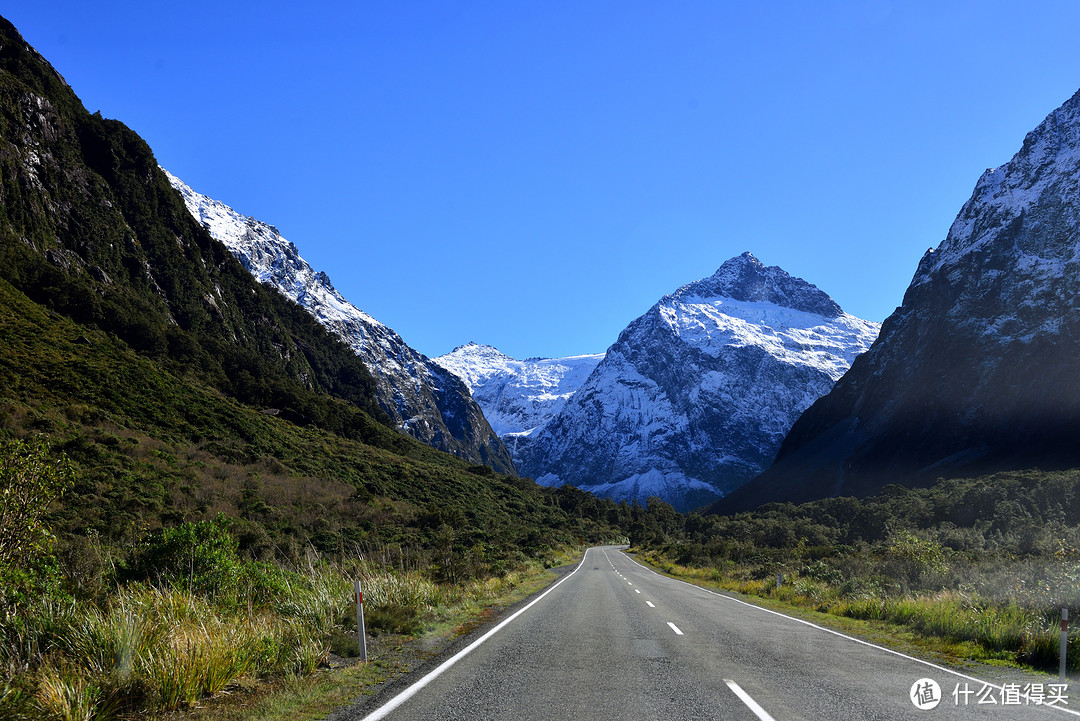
(535, 175)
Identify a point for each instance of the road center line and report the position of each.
(650, 604)
(636, 591)
(675, 628)
(751, 703)
(409, 692)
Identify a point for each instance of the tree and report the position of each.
(30, 481)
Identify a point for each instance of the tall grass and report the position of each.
(66, 694)
(149, 649)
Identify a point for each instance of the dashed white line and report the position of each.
(675, 628)
(650, 604)
(750, 703)
(890, 651)
(636, 591)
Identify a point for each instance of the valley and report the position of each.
(752, 504)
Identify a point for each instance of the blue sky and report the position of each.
(535, 175)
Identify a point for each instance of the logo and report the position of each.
(925, 694)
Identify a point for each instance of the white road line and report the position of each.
(636, 591)
(409, 692)
(649, 603)
(675, 628)
(629, 584)
(935, 666)
(751, 703)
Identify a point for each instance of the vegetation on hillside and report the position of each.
(182, 615)
(91, 229)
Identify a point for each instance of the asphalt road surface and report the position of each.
(614, 641)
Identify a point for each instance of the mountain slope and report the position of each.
(179, 387)
(518, 396)
(420, 396)
(696, 395)
(91, 228)
(976, 371)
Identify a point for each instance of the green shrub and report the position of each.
(200, 557)
(262, 584)
(345, 644)
(30, 482)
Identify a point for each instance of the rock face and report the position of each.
(978, 369)
(518, 397)
(696, 395)
(422, 398)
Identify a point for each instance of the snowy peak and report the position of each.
(746, 304)
(424, 401)
(696, 395)
(518, 396)
(716, 326)
(1039, 179)
(745, 278)
(475, 363)
(272, 259)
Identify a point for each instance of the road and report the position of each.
(614, 640)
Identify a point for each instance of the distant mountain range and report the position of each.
(421, 397)
(518, 396)
(691, 401)
(979, 369)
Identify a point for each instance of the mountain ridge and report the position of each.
(420, 397)
(91, 228)
(180, 388)
(973, 373)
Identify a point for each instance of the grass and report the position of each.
(151, 650)
(314, 696)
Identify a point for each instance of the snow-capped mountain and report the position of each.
(696, 395)
(977, 371)
(424, 399)
(518, 396)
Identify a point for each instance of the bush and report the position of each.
(262, 584)
(200, 557)
(919, 562)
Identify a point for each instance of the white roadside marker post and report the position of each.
(1064, 641)
(361, 634)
